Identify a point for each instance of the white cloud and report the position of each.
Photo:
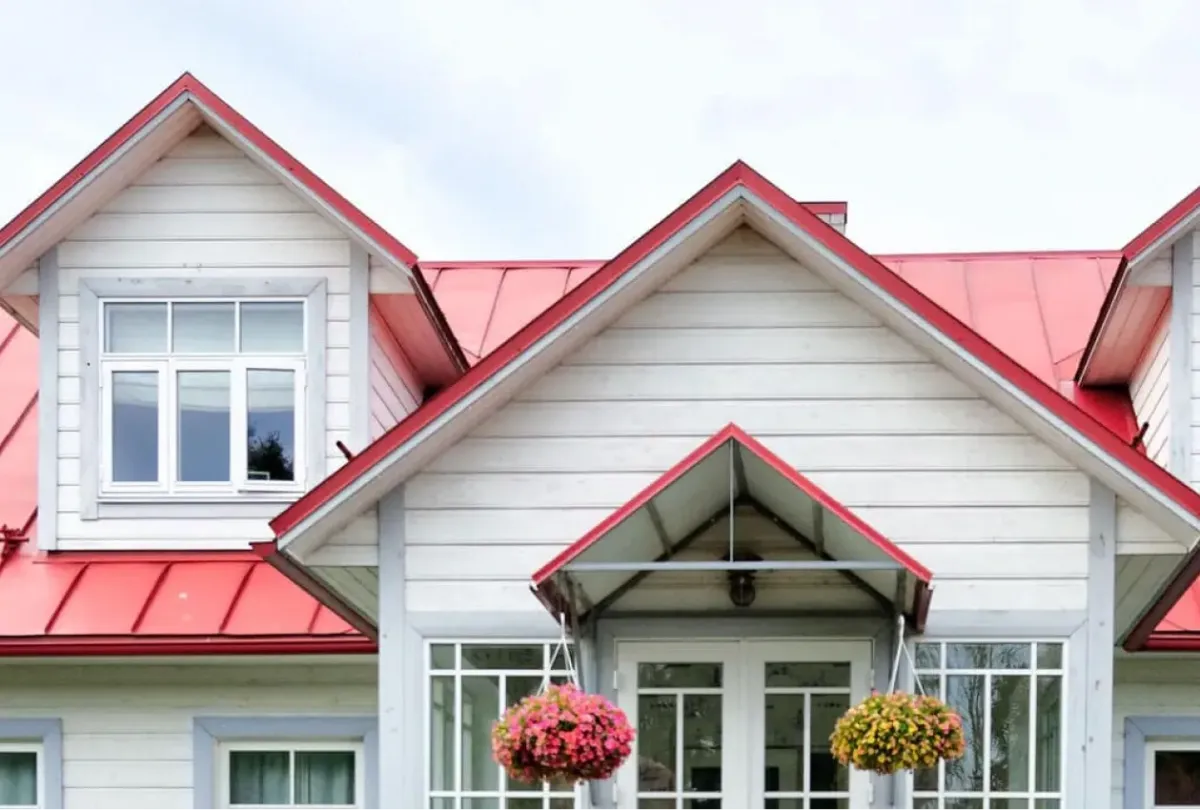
(473, 128)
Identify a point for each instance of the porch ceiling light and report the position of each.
(741, 583)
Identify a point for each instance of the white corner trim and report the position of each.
(509, 370)
(1179, 358)
(1134, 481)
(47, 432)
(1101, 604)
(360, 348)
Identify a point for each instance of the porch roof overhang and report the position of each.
(732, 468)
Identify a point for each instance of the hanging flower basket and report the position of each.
(894, 732)
(562, 733)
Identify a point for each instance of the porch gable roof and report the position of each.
(643, 536)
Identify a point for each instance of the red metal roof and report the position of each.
(679, 500)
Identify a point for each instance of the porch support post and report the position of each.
(401, 754)
(1098, 724)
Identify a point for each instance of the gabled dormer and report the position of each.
(219, 330)
(1144, 336)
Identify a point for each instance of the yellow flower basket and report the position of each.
(894, 732)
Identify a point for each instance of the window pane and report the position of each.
(988, 656)
(1049, 733)
(258, 777)
(441, 656)
(18, 778)
(135, 426)
(441, 738)
(1049, 656)
(656, 738)
(679, 676)
(966, 695)
(270, 425)
(1010, 733)
(929, 656)
(204, 418)
(1176, 778)
(273, 327)
(701, 743)
(324, 777)
(485, 656)
(133, 328)
(480, 710)
(796, 674)
(202, 328)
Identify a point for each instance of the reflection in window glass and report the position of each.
(492, 677)
(18, 778)
(1010, 698)
(202, 328)
(204, 424)
(272, 327)
(134, 426)
(270, 425)
(1176, 778)
(259, 777)
(135, 328)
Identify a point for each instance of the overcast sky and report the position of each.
(564, 130)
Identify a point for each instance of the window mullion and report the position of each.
(168, 424)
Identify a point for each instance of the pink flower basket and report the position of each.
(562, 734)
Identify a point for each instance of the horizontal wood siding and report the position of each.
(127, 730)
(395, 386)
(204, 211)
(1160, 687)
(746, 335)
(1150, 390)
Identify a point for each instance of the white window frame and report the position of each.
(1033, 672)
(224, 771)
(167, 365)
(456, 796)
(40, 780)
(1155, 746)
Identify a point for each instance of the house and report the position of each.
(291, 515)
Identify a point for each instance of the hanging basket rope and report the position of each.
(562, 733)
(898, 731)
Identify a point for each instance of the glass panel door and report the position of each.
(683, 700)
(799, 690)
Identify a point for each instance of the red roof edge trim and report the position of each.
(1171, 642)
(316, 589)
(1183, 578)
(126, 646)
(510, 349)
(729, 433)
(1174, 216)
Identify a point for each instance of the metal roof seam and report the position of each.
(150, 597)
(66, 597)
(237, 597)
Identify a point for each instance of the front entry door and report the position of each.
(739, 724)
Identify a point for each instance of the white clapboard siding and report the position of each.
(1149, 390)
(127, 730)
(395, 386)
(1159, 688)
(747, 336)
(205, 211)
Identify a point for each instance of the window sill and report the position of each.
(245, 496)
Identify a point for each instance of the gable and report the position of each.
(747, 335)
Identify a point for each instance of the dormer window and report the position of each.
(202, 397)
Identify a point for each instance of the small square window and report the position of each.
(202, 397)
